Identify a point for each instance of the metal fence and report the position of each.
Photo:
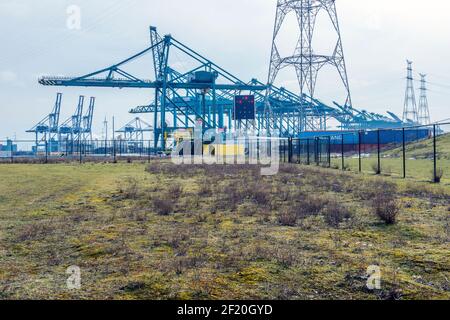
(75, 150)
(421, 152)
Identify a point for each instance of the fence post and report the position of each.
(434, 155)
(299, 151)
(291, 150)
(379, 152)
(317, 151)
(149, 148)
(46, 151)
(280, 148)
(308, 162)
(329, 151)
(342, 153)
(114, 151)
(359, 151)
(404, 153)
(12, 150)
(80, 151)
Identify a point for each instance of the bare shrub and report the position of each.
(178, 239)
(247, 209)
(175, 191)
(382, 196)
(229, 198)
(289, 169)
(79, 216)
(35, 231)
(260, 196)
(205, 190)
(285, 179)
(375, 169)
(385, 206)
(136, 214)
(287, 218)
(394, 294)
(153, 168)
(129, 188)
(263, 217)
(285, 257)
(336, 213)
(309, 206)
(202, 218)
(163, 206)
(284, 194)
(133, 286)
(368, 190)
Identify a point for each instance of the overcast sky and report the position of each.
(378, 36)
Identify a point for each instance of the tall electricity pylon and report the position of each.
(410, 107)
(304, 59)
(424, 111)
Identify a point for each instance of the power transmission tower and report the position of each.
(304, 59)
(410, 107)
(424, 111)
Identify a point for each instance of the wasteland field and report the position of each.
(159, 231)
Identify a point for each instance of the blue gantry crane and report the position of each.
(71, 129)
(86, 128)
(48, 128)
(353, 119)
(135, 129)
(132, 140)
(197, 90)
(206, 80)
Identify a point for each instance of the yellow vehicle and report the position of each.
(182, 135)
(224, 150)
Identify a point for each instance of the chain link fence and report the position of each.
(421, 153)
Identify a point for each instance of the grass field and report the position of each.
(419, 160)
(424, 149)
(416, 169)
(160, 231)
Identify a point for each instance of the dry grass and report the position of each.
(160, 231)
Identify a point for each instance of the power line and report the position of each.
(441, 86)
(65, 35)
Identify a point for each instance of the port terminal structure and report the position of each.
(204, 92)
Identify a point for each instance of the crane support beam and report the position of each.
(122, 83)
